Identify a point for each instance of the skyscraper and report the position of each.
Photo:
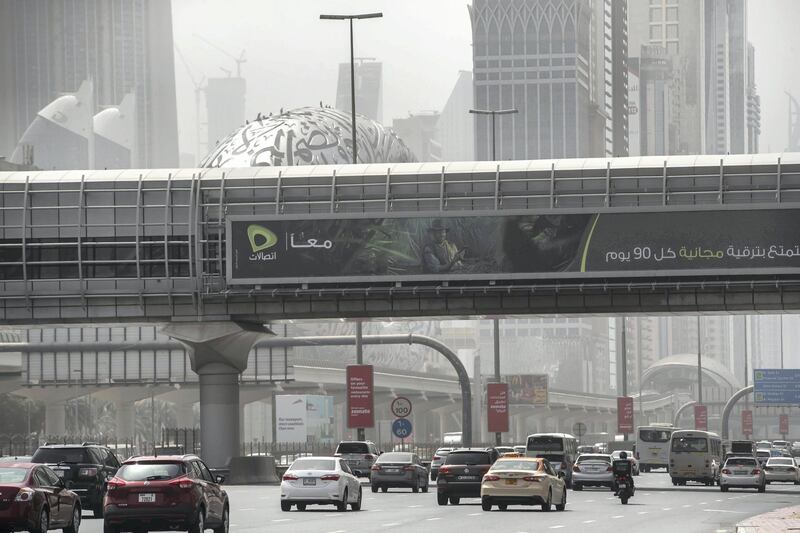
(369, 88)
(50, 47)
(554, 61)
(456, 127)
(225, 102)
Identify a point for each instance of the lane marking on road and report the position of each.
(589, 501)
(434, 518)
(618, 516)
(687, 505)
(723, 511)
(334, 515)
(415, 506)
(374, 510)
(248, 509)
(589, 521)
(556, 527)
(717, 500)
(611, 497)
(474, 514)
(642, 512)
(666, 508)
(647, 494)
(391, 524)
(283, 520)
(338, 531)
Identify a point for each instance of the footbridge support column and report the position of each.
(218, 352)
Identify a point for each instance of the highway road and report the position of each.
(657, 507)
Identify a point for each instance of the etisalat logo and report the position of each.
(261, 239)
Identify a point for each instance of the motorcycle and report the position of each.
(625, 488)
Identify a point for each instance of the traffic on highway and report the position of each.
(712, 490)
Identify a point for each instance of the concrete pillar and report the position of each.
(126, 421)
(218, 352)
(55, 419)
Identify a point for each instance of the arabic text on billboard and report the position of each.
(497, 405)
(497, 246)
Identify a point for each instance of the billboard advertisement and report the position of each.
(510, 245)
(624, 414)
(783, 424)
(526, 389)
(497, 405)
(360, 397)
(776, 386)
(701, 418)
(291, 418)
(747, 422)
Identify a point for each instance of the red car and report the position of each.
(33, 498)
(165, 493)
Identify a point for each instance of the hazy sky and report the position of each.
(293, 57)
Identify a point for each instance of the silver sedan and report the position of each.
(782, 469)
(592, 470)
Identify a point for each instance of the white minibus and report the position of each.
(652, 446)
(694, 456)
(561, 449)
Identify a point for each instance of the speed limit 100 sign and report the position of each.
(401, 407)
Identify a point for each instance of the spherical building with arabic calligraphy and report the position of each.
(308, 136)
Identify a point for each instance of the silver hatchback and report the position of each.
(592, 470)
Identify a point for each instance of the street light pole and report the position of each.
(494, 113)
(350, 19)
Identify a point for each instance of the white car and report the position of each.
(782, 469)
(742, 472)
(320, 481)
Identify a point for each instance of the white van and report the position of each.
(694, 456)
(652, 446)
(561, 449)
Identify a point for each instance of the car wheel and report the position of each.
(563, 505)
(546, 506)
(577, 486)
(75, 525)
(433, 477)
(342, 505)
(98, 511)
(357, 505)
(43, 524)
(454, 500)
(441, 499)
(199, 525)
(762, 488)
(723, 488)
(415, 488)
(225, 524)
(425, 487)
(384, 489)
(374, 488)
(624, 499)
(301, 507)
(286, 506)
(486, 504)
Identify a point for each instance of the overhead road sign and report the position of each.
(776, 386)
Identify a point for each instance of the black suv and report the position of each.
(462, 472)
(85, 468)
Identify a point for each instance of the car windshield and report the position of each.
(588, 458)
(61, 455)
(468, 458)
(395, 458)
(690, 444)
(12, 475)
(740, 461)
(150, 471)
(313, 464)
(783, 462)
(506, 464)
(654, 435)
(352, 447)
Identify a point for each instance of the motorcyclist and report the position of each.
(623, 465)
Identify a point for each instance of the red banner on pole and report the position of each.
(360, 398)
(783, 423)
(747, 422)
(624, 414)
(497, 403)
(701, 418)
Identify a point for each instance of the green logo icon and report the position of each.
(260, 238)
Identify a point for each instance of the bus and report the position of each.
(561, 449)
(694, 456)
(652, 446)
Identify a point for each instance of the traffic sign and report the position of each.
(776, 386)
(579, 429)
(401, 428)
(401, 407)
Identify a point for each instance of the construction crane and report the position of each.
(198, 91)
(239, 60)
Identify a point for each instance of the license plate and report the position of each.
(623, 486)
(511, 482)
(466, 478)
(309, 481)
(147, 498)
(740, 472)
(392, 470)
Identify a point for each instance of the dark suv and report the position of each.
(165, 493)
(462, 472)
(84, 468)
